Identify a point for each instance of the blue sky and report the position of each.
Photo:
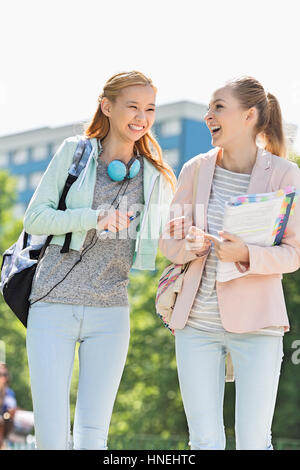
(56, 56)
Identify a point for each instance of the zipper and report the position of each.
(152, 185)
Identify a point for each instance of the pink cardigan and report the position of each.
(255, 300)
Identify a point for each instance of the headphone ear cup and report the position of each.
(117, 170)
(134, 168)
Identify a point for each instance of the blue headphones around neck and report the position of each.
(120, 171)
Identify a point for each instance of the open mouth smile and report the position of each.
(136, 128)
(214, 130)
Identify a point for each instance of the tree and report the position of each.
(12, 332)
(287, 414)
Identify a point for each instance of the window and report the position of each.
(169, 128)
(35, 179)
(20, 157)
(172, 157)
(21, 183)
(39, 153)
(3, 160)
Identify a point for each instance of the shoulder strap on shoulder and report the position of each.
(81, 156)
(195, 180)
(80, 159)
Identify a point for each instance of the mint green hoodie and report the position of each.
(43, 218)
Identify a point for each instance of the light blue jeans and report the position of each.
(256, 361)
(52, 332)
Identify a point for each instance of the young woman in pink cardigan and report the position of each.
(246, 316)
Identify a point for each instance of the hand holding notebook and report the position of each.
(259, 219)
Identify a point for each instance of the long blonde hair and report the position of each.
(147, 145)
(251, 93)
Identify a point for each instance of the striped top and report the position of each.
(204, 314)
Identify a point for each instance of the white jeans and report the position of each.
(52, 332)
(201, 371)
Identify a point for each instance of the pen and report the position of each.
(132, 217)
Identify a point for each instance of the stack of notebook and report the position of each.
(259, 219)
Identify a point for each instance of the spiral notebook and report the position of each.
(259, 219)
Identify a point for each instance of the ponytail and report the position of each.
(251, 93)
(273, 132)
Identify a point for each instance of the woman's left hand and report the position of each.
(231, 249)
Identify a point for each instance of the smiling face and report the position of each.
(227, 121)
(132, 114)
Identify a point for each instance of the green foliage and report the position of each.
(293, 157)
(12, 331)
(287, 414)
(9, 227)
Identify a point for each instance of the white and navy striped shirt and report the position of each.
(204, 314)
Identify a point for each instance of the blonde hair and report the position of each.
(251, 93)
(147, 145)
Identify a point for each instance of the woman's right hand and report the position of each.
(113, 220)
(175, 228)
(195, 240)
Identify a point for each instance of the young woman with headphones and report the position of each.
(81, 296)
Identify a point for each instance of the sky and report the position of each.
(56, 55)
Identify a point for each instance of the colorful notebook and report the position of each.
(258, 219)
(287, 207)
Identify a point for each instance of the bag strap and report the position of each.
(61, 206)
(195, 181)
(80, 159)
